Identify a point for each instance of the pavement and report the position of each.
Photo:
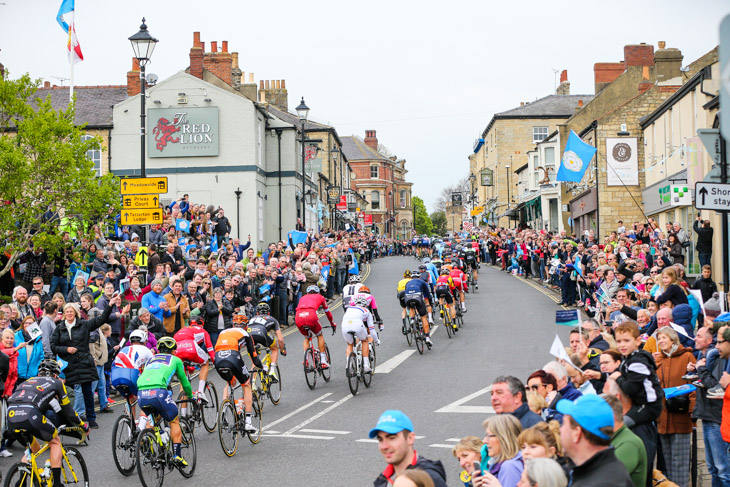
(322, 434)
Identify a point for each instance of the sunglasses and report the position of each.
(536, 388)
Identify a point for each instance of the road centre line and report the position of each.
(296, 411)
(393, 362)
(319, 414)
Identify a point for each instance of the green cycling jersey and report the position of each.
(160, 370)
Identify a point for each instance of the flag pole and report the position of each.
(70, 57)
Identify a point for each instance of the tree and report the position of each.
(461, 186)
(438, 218)
(421, 221)
(384, 151)
(46, 178)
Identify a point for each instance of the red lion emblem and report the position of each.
(163, 133)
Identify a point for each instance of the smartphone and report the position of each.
(477, 468)
(116, 293)
(653, 250)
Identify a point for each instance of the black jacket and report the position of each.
(154, 326)
(601, 470)
(81, 367)
(526, 416)
(709, 409)
(704, 238)
(211, 315)
(434, 468)
(706, 286)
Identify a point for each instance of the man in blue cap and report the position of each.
(396, 438)
(586, 437)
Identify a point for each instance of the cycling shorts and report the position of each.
(416, 300)
(444, 292)
(459, 285)
(158, 401)
(260, 335)
(308, 318)
(402, 299)
(473, 264)
(190, 351)
(125, 380)
(356, 326)
(29, 418)
(229, 364)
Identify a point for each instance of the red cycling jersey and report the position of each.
(306, 314)
(198, 335)
(445, 281)
(458, 276)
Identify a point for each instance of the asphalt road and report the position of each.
(320, 436)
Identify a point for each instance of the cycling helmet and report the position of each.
(166, 345)
(360, 301)
(406, 273)
(354, 279)
(138, 336)
(313, 289)
(445, 272)
(49, 367)
(426, 260)
(263, 309)
(422, 267)
(364, 289)
(240, 321)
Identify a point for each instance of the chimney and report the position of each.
(224, 47)
(196, 56)
(606, 73)
(371, 140)
(667, 62)
(274, 93)
(579, 106)
(249, 89)
(639, 55)
(219, 63)
(133, 81)
(564, 87)
(46, 84)
(214, 46)
(236, 73)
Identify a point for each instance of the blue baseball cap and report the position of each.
(591, 412)
(723, 318)
(392, 421)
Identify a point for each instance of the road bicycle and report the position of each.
(313, 362)
(416, 329)
(200, 411)
(231, 421)
(262, 381)
(124, 439)
(445, 314)
(355, 370)
(154, 450)
(472, 282)
(73, 466)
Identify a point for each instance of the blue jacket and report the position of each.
(152, 301)
(28, 366)
(418, 286)
(433, 271)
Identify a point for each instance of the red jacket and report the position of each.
(198, 335)
(12, 369)
(314, 302)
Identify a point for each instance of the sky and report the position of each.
(427, 76)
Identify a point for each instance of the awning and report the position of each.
(509, 213)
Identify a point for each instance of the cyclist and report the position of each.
(372, 305)
(128, 364)
(262, 329)
(418, 294)
(426, 244)
(37, 406)
(432, 269)
(306, 315)
(352, 288)
(460, 282)
(154, 393)
(231, 367)
(359, 320)
(444, 288)
(194, 345)
(401, 293)
(471, 260)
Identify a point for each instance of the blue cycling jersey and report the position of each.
(417, 286)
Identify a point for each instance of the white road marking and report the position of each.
(272, 433)
(441, 445)
(328, 401)
(308, 437)
(319, 414)
(326, 432)
(393, 362)
(366, 440)
(287, 416)
(456, 406)
(454, 439)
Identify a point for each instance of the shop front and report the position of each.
(584, 212)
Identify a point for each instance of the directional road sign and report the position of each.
(143, 185)
(712, 196)
(141, 201)
(146, 216)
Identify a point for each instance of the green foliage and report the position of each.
(44, 170)
(438, 218)
(421, 221)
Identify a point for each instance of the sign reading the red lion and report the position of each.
(182, 132)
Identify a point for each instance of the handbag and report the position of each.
(678, 404)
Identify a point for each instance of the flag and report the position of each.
(567, 318)
(74, 49)
(576, 158)
(182, 225)
(354, 268)
(297, 237)
(214, 244)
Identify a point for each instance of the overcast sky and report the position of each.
(428, 76)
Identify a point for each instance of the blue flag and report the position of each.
(182, 225)
(67, 6)
(298, 237)
(567, 317)
(181, 241)
(354, 268)
(576, 158)
(214, 244)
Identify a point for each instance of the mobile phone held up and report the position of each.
(477, 468)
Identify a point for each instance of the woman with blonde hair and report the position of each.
(671, 290)
(536, 402)
(541, 441)
(505, 458)
(470, 449)
(542, 472)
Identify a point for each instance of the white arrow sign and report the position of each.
(712, 196)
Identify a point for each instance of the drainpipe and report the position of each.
(238, 212)
(278, 152)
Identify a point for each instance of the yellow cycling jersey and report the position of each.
(402, 284)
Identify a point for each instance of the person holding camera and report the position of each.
(704, 240)
(222, 227)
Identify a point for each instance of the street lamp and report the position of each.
(472, 179)
(143, 44)
(392, 209)
(333, 178)
(508, 195)
(303, 112)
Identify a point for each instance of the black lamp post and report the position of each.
(333, 179)
(143, 44)
(303, 112)
(472, 180)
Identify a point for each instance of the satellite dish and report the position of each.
(152, 78)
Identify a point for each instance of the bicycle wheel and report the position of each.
(150, 460)
(210, 411)
(256, 421)
(310, 369)
(351, 371)
(275, 387)
(227, 427)
(187, 407)
(459, 322)
(327, 373)
(188, 449)
(367, 377)
(73, 468)
(418, 337)
(372, 356)
(257, 385)
(21, 475)
(409, 333)
(123, 445)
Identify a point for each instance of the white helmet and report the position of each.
(138, 336)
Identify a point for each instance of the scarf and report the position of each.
(671, 350)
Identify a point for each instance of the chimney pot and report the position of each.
(261, 84)
(202, 46)
(522, 103)
(214, 46)
(47, 84)
(580, 103)
(283, 84)
(196, 39)
(564, 76)
(267, 84)
(250, 78)
(234, 63)
(278, 84)
(225, 46)
(662, 44)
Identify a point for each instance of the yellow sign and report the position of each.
(141, 258)
(146, 216)
(141, 201)
(143, 185)
(477, 211)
